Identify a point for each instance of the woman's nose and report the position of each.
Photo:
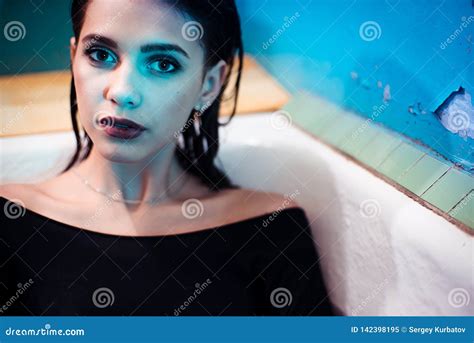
(123, 89)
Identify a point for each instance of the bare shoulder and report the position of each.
(23, 192)
(250, 203)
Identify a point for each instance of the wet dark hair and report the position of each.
(222, 40)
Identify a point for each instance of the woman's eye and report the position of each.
(163, 66)
(101, 56)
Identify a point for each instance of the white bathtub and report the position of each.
(382, 253)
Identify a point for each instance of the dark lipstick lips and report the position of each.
(121, 123)
(121, 128)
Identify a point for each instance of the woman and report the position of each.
(142, 222)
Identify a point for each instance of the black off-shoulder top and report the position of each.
(266, 265)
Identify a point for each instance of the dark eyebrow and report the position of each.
(162, 47)
(165, 47)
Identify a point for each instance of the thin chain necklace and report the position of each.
(118, 193)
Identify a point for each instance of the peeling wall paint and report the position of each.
(457, 114)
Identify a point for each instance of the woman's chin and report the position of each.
(121, 153)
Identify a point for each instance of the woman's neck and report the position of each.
(155, 180)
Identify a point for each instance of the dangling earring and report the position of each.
(180, 141)
(197, 128)
(197, 121)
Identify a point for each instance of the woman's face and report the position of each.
(133, 60)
